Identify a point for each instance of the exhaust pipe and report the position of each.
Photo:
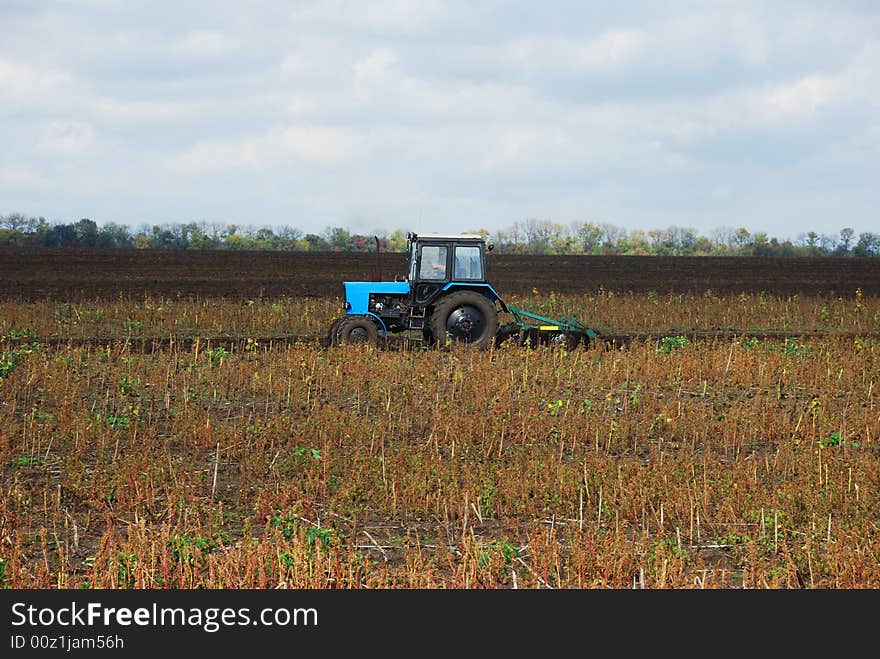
(377, 272)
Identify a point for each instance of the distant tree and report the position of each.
(485, 233)
(36, 229)
(8, 238)
(113, 235)
(704, 246)
(61, 235)
(540, 235)
(534, 236)
(338, 239)
(741, 239)
(265, 238)
(86, 233)
(827, 243)
(239, 241)
(611, 233)
(722, 239)
(846, 237)
(659, 242)
(684, 240)
(508, 240)
(396, 241)
(636, 244)
(811, 243)
(760, 245)
(288, 238)
(868, 245)
(315, 243)
(14, 222)
(589, 235)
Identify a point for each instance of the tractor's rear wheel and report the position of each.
(465, 317)
(357, 329)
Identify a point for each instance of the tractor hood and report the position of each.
(357, 293)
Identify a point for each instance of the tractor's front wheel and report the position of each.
(465, 317)
(333, 334)
(356, 329)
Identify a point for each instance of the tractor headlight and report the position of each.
(347, 305)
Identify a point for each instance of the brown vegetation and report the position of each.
(668, 464)
(718, 464)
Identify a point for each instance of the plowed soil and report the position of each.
(72, 274)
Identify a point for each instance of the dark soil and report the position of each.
(75, 274)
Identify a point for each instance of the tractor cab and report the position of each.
(436, 260)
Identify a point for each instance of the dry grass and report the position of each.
(606, 311)
(717, 464)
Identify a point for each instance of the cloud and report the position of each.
(536, 55)
(486, 111)
(377, 16)
(67, 138)
(322, 146)
(24, 86)
(205, 43)
(383, 91)
(22, 176)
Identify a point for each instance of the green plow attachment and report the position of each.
(532, 328)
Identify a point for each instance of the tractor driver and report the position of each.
(433, 262)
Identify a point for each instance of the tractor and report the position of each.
(446, 296)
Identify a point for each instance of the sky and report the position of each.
(443, 116)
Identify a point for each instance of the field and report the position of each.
(65, 274)
(158, 431)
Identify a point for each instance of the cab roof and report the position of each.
(446, 236)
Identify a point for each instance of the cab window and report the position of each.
(467, 262)
(433, 262)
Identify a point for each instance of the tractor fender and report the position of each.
(485, 289)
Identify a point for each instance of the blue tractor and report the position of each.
(445, 295)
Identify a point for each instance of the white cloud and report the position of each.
(857, 84)
(108, 108)
(382, 91)
(295, 64)
(25, 86)
(383, 16)
(449, 106)
(206, 43)
(322, 146)
(803, 96)
(67, 138)
(22, 176)
(611, 50)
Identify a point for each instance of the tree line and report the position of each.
(531, 236)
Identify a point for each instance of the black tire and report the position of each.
(333, 334)
(465, 317)
(357, 329)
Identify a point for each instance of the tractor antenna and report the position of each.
(377, 275)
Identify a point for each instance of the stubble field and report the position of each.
(232, 455)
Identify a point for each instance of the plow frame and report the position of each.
(531, 326)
